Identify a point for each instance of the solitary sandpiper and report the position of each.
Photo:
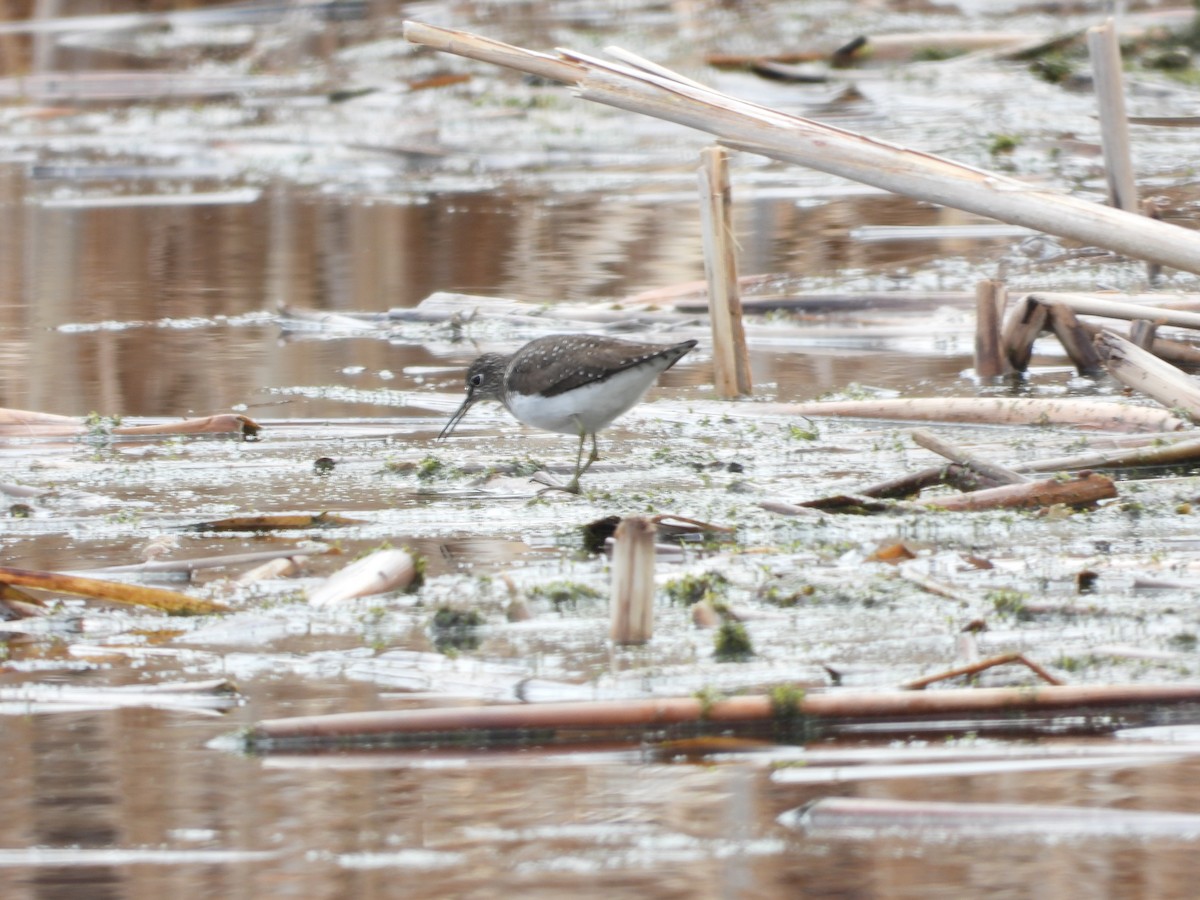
(569, 384)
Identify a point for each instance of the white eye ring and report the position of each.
(477, 380)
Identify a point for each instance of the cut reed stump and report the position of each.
(632, 601)
(990, 299)
(731, 362)
(787, 715)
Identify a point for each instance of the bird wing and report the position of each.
(579, 359)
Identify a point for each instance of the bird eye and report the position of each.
(477, 379)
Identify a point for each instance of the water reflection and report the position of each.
(588, 823)
(74, 803)
(185, 271)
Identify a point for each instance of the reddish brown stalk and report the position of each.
(112, 591)
(559, 721)
(974, 668)
(1083, 490)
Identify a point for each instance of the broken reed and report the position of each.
(652, 90)
(731, 362)
(632, 599)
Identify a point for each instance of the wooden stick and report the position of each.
(1105, 53)
(967, 480)
(1081, 491)
(1025, 322)
(1171, 453)
(731, 363)
(990, 298)
(692, 298)
(1145, 372)
(942, 447)
(187, 566)
(1167, 454)
(1075, 340)
(830, 301)
(39, 424)
(110, 591)
(1091, 305)
(226, 423)
(680, 524)
(632, 598)
(778, 135)
(974, 668)
(1095, 414)
(585, 719)
(914, 482)
(833, 818)
(1179, 353)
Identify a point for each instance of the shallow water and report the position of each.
(117, 301)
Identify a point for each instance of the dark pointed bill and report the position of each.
(457, 417)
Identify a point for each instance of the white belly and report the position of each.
(592, 406)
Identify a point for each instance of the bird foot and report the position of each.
(572, 487)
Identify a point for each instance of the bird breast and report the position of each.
(592, 406)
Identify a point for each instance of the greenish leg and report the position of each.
(592, 457)
(572, 487)
(580, 466)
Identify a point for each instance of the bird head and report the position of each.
(485, 381)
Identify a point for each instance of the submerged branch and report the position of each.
(802, 716)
